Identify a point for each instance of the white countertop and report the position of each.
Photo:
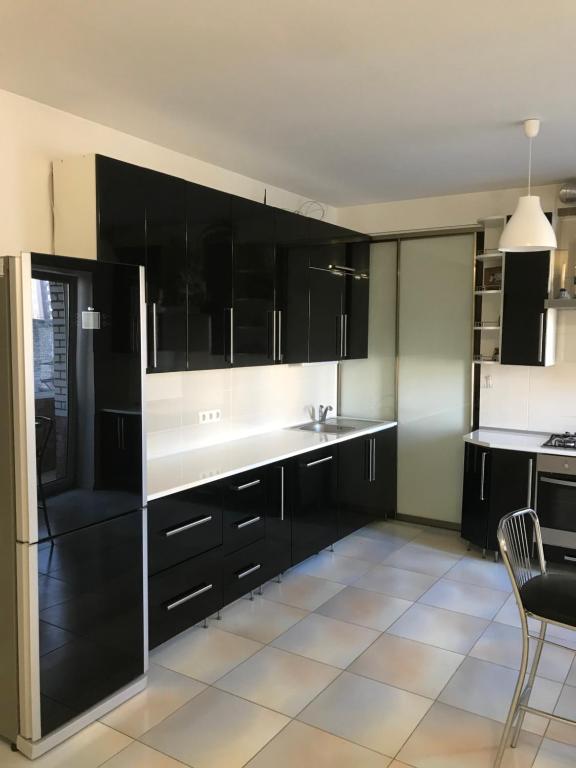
(181, 471)
(515, 441)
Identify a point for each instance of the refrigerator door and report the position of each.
(82, 337)
(88, 600)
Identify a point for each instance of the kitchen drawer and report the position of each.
(183, 595)
(245, 500)
(244, 570)
(562, 555)
(183, 525)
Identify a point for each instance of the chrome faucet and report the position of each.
(323, 412)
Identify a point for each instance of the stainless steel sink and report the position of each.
(326, 426)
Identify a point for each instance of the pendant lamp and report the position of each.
(528, 229)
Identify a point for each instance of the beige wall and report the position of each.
(33, 134)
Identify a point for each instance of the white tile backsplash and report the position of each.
(251, 400)
(538, 399)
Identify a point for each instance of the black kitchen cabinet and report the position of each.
(366, 480)
(210, 252)
(314, 493)
(357, 300)
(526, 323)
(245, 508)
(256, 331)
(496, 482)
(166, 273)
(327, 287)
(121, 211)
(279, 517)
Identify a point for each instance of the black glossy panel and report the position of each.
(91, 617)
(245, 508)
(475, 509)
(244, 570)
(279, 518)
(87, 391)
(184, 525)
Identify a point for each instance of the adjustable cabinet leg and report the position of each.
(331, 548)
(279, 578)
(218, 616)
(468, 547)
(251, 595)
(205, 624)
(259, 590)
(496, 556)
(483, 553)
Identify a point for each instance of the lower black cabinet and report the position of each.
(244, 571)
(245, 508)
(279, 517)
(184, 595)
(314, 503)
(366, 480)
(496, 482)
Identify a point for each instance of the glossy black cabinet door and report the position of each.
(166, 273)
(279, 517)
(357, 301)
(121, 210)
(255, 324)
(327, 322)
(314, 492)
(210, 250)
(524, 316)
(294, 291)
(512, 478)
(476, 494)
(245, 506)
(91, 617)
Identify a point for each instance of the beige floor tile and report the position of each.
(279, 680)
(140, 756)
(435, 626)
(414, 557)
(373, 550)
(564, 636)
(259, 619)
(405, 531)
(361, 606)
(465, 598)
(215, 730)
(442, 540)
(338, 568)
(482, 573)
(396, 582)
(502, 644)
(571, 679)
(205, 654)
(415, 667)
(486, 689)
(398, 764)
(165, 693)
(555, 755)
(452, 738)
(302, 591)
(88, 749)
(566, 707)
(367, 712)
(508, 614)
(301, 746)
(327, 640)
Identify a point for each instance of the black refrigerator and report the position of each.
(72, 523)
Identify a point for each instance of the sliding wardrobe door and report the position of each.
(434, 373)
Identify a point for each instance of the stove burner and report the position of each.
(567, 440)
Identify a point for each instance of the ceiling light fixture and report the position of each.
(528, 228)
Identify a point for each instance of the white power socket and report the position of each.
(209, 417)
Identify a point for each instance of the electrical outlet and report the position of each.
(209, 417)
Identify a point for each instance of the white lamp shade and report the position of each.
(528, 228)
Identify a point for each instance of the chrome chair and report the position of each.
(549, 598)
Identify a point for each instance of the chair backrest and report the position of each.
(518, 536)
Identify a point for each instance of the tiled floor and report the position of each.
(398, 650)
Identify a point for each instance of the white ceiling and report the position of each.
(345, 101)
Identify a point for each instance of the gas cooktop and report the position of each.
(567, 440)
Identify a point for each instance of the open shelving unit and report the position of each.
(488, 282)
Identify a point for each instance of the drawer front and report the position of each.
(183, 525)
(183, 595)
(245, 501)
(244, 570)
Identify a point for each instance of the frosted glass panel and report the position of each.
(435, 353)
(368, 387)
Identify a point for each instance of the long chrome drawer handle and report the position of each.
(248, 522)
(319, 461)
(187, 526)
(570, 559)
(186, 598)
(246, 485)
(553, 481)
(243, 574)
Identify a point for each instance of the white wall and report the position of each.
(31, 136)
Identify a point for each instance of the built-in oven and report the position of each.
(556, 506)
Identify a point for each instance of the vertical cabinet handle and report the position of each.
(529, 494)
(541, 339)
(281, 493)
(280, 335)
(154, 336)
(345, 333)
(373, 440)
(482, 475)
(231, 310)
(274, 336)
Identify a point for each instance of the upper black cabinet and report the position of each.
(528, 329)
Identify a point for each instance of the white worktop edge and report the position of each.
(514, 440)
(315, 440)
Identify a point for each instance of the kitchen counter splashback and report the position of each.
(513, 440)
(187, 469)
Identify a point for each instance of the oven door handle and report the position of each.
(553, 481)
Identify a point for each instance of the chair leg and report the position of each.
(516, 697)
(531, 678)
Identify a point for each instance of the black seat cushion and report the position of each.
(551, 596)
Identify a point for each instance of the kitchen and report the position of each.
(300, 416)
